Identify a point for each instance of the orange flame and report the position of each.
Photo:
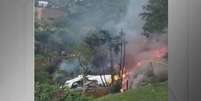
(159, 53)
(139, 63)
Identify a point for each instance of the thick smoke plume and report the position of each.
(138, 47)
(143, 49)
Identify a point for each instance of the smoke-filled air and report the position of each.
(101, 50)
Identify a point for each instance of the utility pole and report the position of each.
(122, 51)
(123, 70)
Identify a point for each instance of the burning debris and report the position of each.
(150, 70)
(145, 59)
(78, 81)
(125, 80)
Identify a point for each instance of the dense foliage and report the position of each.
(49, 92)
(156, 16)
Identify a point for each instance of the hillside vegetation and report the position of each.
(151, 92)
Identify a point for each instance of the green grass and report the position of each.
(152, 92)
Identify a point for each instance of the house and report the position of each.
(42, 3)
(43, 11)
(48, 13)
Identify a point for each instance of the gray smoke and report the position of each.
(105, 16)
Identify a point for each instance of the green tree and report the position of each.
(103, 44)
(53, 42)
(156, 16)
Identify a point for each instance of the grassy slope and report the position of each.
(152, 92)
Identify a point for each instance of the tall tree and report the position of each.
(104, 46)
(156, 16)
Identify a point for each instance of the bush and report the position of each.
(47, 92)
